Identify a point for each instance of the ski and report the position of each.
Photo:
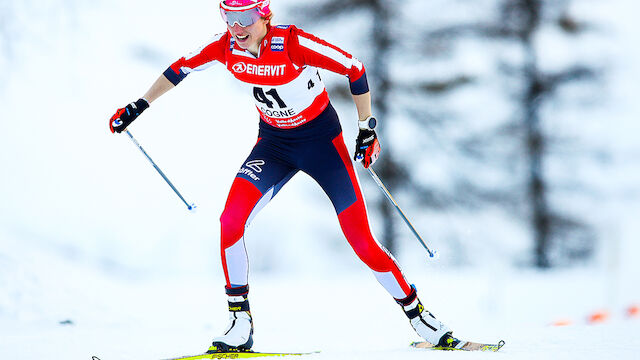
(239, 355)
(468, 346)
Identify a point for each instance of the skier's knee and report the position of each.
(232, 228)
(373, 256)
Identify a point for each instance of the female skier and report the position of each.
(299, 131)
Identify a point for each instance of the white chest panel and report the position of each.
(284, 103)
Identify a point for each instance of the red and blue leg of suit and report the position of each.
(317, 149)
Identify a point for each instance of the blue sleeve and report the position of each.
(360, 86)
(174, 77)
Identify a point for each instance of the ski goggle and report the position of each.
(243, 16)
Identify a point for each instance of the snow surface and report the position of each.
(347, 316)
(98, 258)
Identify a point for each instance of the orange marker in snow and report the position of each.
(562, 322)
(598, 317)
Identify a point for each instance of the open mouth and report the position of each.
(242, 37)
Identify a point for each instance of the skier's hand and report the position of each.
(367, 147)
(125, 116)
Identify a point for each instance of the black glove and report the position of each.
(367, 147)
(125, 116)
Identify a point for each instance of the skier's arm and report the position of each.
(367, 144)
(307, 49)
(126, 115)
(195, 61)
(363, 105)
(161, 86)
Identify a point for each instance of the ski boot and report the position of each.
(448, 342)
(238, 337)
(424, 323)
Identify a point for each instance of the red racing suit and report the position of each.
(299, 131)
(283, 79)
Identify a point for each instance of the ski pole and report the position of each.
(432, 254)
(191, 206)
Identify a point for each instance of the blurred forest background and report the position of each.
(493, 112)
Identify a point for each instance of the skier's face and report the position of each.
(249, 37)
